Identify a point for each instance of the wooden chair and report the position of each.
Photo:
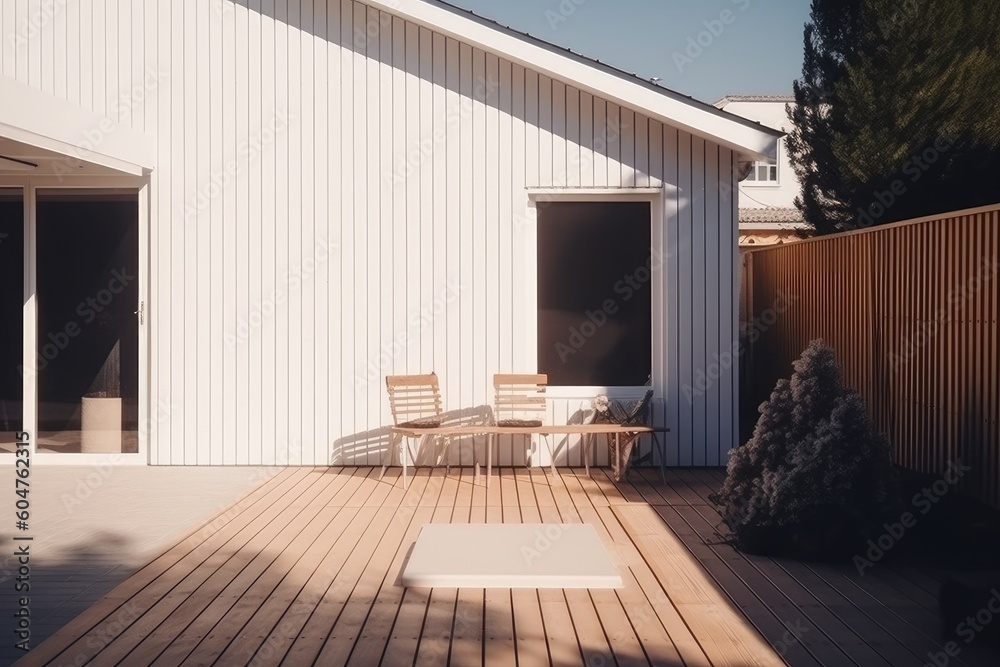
(520, 402)
(415, 402)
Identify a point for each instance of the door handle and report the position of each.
(141, 312)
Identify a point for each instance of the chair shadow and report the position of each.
(565, 440)
(369, 448)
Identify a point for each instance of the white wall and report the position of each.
(783, 194)
(328, 175)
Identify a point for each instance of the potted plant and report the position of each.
(813, 482)
(101, 409)
(634, 413)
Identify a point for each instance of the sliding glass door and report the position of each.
(87, 347)
(11, 316)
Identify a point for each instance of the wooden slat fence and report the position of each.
(912, 311)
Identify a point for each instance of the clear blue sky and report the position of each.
(756, 50)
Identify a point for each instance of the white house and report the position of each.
(222, 224)
(767, 195)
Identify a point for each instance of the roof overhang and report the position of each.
(62, 138)
(751, 140)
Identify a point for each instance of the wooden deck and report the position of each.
(306, 573)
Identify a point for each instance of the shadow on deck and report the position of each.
(306, 572)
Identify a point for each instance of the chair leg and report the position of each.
(394, 440)
(661, 453)
(489, 459)
(402, 459)
(413, 457)
(475, 461)
(552, 455)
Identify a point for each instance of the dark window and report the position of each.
(594, 293)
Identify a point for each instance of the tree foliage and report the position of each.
(896, 113)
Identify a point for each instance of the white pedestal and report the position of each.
(510, 556)
(101, 425)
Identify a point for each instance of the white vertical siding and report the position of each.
(367, 213)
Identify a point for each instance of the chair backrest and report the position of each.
(413, 397)
(638, 415)
(519, 396)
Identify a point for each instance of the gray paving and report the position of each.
(94, 525)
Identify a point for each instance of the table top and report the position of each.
(488, 429)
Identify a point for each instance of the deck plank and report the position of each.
(769, 606)
(251, 589)
(371, 609)
(371, 522)
(724, 634)
(305, 570)
(854, 636)
(620, 645)
(402, 640)
(530, 638)
(499, 647)
(661, 630)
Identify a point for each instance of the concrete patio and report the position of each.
(94, 526)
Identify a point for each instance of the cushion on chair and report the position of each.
(520, 423)
(423, 422)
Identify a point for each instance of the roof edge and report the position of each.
(728, 99)
(751, 139)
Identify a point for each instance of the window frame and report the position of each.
(526, 239)
(776, 163)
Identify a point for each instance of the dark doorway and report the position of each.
(11, 316)
(88, 332)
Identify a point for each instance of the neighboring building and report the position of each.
(767, 195)
(224, 225)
